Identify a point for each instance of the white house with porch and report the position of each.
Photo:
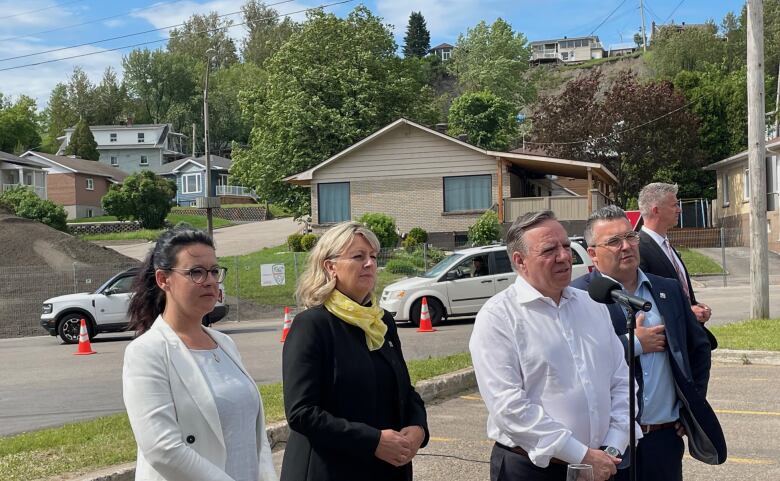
(18, 172)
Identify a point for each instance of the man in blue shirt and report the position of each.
(672, 354)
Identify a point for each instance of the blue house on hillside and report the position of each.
(190, 177)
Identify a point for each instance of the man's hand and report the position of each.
(702, 312)
(393, 448)
(680, 429)
(653, 338)
(604, 465)
(415, 435)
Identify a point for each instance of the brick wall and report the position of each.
(90, 197)
(103, 227)
(61, 189)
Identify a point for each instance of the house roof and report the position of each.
(217, 163)
(565, 39)
(79, 166)
(530, 162)
(622, 46)
(772, 147)
(440, 46)
(121, 127)
(13, 159)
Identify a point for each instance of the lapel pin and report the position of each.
(662, 295)
(390, 343)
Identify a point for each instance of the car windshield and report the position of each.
(443, 266)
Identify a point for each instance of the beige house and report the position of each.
(732, 206)
(566, 50)
(427, 179)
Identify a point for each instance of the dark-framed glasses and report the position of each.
(615, 242)
(198, 275)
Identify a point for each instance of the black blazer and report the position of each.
(690, 358)
(653, 260)
(330, 398)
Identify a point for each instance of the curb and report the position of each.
(734, 356)
(431, 390)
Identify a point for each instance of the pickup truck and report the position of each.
(105, 310)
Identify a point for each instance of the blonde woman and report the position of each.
(352, 410)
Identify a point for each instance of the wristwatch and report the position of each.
(612, 451)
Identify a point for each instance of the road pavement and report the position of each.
(459, 449)
(737, 266)
(231, 241)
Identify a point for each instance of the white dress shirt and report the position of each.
(553, 377)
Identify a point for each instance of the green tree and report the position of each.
(143, 196)
(485, 230)
(333, 83)
(693, 49)
(24, 203)
(487, 120)
(638, 40)
(493, 58)
(110, 98)
(266, 33)
(59, 115)
(417, 41)
(201, 33)
(383, 227)
(82, 143)
(18, 125)
(640, 131)
(81, 95)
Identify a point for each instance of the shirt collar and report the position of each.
(527, 293)
(642, 280)
(658, 238)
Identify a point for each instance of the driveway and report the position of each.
(231, 241)
(737, 266)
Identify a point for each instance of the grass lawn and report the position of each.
(698, 263)
(247, 284)
(755, 335)
(197, 221)
(108, 440)
(100, 218)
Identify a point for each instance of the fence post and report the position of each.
(238, 289)
(425, 256)
(295, 262)
(723, 254)
(75, 282)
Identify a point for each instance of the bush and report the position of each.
(143, 196)
(415, 237)
(401, 266)
(294, 242)
(24, 203)
(383, 227)
(308, 241)
(485, 230)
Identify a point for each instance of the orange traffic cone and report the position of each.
(425, 318)
(287, 323)
(84, 346)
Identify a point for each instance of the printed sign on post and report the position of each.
(272, 275)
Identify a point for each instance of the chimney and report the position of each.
(129, 121)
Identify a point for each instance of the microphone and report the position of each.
(607, 291)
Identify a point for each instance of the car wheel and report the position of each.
(435, 310)
(70, 326)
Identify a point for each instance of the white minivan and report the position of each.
(461, 283)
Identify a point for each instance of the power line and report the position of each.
(650, 10)
(59, 49)
(40, 9)
(675, 9)
(16, 67)
(618, 132)
(607, 18)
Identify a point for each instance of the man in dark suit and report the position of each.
(660, 211)
(672, 355)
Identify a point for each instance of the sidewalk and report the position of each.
(732, 304)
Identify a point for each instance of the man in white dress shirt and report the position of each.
(550, 369)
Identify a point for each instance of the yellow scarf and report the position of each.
(368, 318)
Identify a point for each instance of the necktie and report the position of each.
(680, 274)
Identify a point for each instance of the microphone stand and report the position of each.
(631, 326)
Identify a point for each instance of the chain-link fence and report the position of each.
(24, 289)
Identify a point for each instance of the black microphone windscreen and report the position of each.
(600, 288)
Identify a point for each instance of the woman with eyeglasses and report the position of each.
(195, 411)
(352, 410)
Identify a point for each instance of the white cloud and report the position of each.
(445, 19)
(18, 15)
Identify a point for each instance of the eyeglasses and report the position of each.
(616, 242)
(199, 274)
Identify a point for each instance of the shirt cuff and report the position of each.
(637, 346)
(619, 439)
(573, 451)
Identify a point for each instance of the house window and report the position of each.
(90, 213)
(90, 184)
(333, 202)
(467, 193)
(144, 160)
(140, 137)
(190, 183)
(446, 54)
(725, 185)
(114, 160)
(112, 137)
(222, 179)
(746, 184)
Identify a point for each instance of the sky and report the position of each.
(44, 30)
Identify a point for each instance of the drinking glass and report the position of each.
(579, 472)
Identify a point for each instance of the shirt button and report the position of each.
(647, 373)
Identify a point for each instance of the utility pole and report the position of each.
(644, 34)
(759, 273)
(194, 143)
(210, 200)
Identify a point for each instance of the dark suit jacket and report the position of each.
(690, 358)
(653, 260)
(330, 400)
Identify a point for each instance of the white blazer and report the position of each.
(173, 413)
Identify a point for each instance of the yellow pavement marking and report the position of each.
(732, 459)
(471, 398)
(755, 413)
(433, 438)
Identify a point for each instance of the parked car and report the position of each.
(461, 283)
(105, 310)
